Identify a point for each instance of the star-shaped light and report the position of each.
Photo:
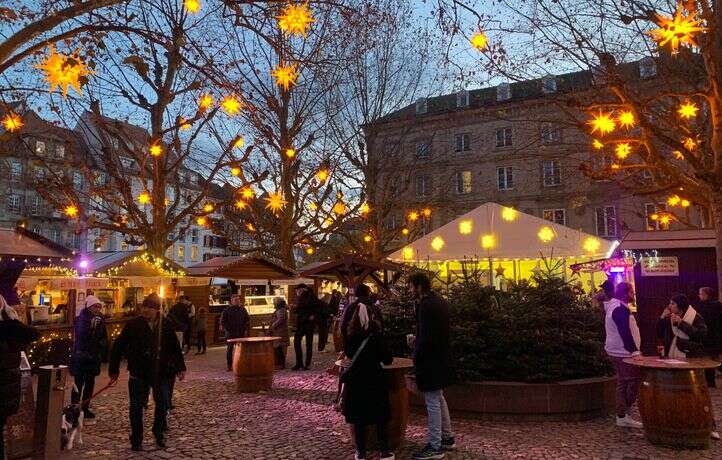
(438, 243)
(295, 19)
(597, 144)
(488, 241)
(192, 6)
(12, 122)
(275, 202)
(71, 210)
(689, 143)
(677, 30)
(368, 238)
(364, 209)
(678, 155)
(546, 234)
(247, 193)
(684, 203)
(290, 153)
(64, 71)
(155, 150)
(405, 231)
(426, 212)
(508, 214)
(322, 175)
(592, 245)
(500, 271)
(673, 200)
(688, 110)
(413, 216)
(208, 207)
(231, 105)
(205, 102)
(202, 221)
(241, 205)
(183, 124)
(250, 227)
(339, 208)
(479, 41)
(602, 122)
(310, 251)
(285, 76)
(626, 119)
(235, 171)
(466, 226)
(240, 142)
(408, 253)
(623, 150)
(144, 198)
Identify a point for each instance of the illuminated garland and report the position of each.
(61, 271)
(38, 259)
(158, 263)
(44, 346)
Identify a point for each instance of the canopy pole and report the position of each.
(513, 268)
(491, 271)
(564, 267)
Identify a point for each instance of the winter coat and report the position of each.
(431, 348)
(711, 311)
(14, 338)
(696, 331)
(201, 320)
(236, 321)
(180, 315)
(367, 397)
(279, 327)
(307, 306)
(90, 345)
(139, 344)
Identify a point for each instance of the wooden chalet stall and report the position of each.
(257, 279)
(352, 270)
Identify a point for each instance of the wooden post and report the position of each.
(491, 272)
(49, 411)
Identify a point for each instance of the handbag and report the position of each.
(344, 378)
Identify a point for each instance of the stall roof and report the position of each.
(347, 265)
(102, 261)
(669, 239)
(242, 267)
(23, 243)
(517, 238)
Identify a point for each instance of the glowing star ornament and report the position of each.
(673, 200)
(688, 110)
(466, 227)
(285, 76)
(248, 193)
(144, 198)
(202, 221)
(192, 6)
(295, 19)
(438, 243)
(546, 234)
(689, 143)
(275, 202)
(597, 144)
(290, 153)
(250, 227)
(368, 238)
(408, 253)
(322, 175)
(71, 210)
(241, 205)
(310, 251)
(405, 231)
(231, 105)
(339, 208)
(183, 124)
(508, 214)
(155, 150)
(364, 209)
(626, 119)
(12, 122)
(677, 30)
(64, 71)
(623, 150)
(479, 41)
(602, 123)
(678, 155)
(208, 207)
(413, 216)
(592, 245)
(235, 171)
(684, 203)
(426, 212)
(240, 142)
(205, 102)
(488, 241)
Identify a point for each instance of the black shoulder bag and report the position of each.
(345, 377)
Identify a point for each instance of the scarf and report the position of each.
(363, 316)
(688, 318)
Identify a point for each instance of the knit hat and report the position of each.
(681, 301)
(152, 301)
(92, 300)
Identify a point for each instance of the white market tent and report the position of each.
(518, 238)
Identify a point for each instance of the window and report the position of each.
(75, 241)
(40, 147)
(601, 162)
(37, 230)
(652, 210)
(40, 173)
(463, 182)
(54, 234)
(423, 150)
(126, 163)
(194, 253)
(114, 143)
(423, 185)
(462, 142)
(392, 222)
(647, 68)
(123, 245)
(14, 203)
(552, 173)
(60, 151)
(606, 220)
(550, 133)
(558, 216)
(77, 180)
(101, 179)
(503, 92)
(503, 137)
(421, 106)
(505, 177)
(462, 99)
(194, 179)
(36, 205)
(194, 236)
(16, 171)
(549, 84)
(181, 252)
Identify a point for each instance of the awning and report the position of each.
(242, 267)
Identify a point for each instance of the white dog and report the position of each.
(72, 425)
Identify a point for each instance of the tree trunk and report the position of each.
(716, 200)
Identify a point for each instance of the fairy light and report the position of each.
(160, 264)
(12, 122)
(64, 71)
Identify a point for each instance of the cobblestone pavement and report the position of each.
(295, 420)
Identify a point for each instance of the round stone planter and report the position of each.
(570, 400)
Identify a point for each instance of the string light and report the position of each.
(64, 71)
(688, 110)
(12, 122)
(160, 264)
(285, 76)
(602, 122)
(479, 41)
(677, 30)
(295, 19)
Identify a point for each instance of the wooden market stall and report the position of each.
(351, 271)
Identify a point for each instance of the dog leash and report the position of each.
(110, 384)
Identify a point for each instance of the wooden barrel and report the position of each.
(253, 363)
(676, 407)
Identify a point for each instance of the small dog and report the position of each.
(72, 426)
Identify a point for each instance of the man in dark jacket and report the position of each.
(307, 310)
(236, 322)
(431, 362)
(181, 317)
(14, 338)
(90, 346)
(711, 311)
(154, 358)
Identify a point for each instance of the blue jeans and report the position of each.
(439, 419)
(138, 391)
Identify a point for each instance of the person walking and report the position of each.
(431, 363)
(366, 386)
(201, 320)
(279, 328)
(622, 341)
(307, 310)
(236, 322)
(154, 356)
(14, 338)
(181, 319)
(90, 346)
(711, 311)
(322, 320)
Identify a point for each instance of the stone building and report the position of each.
(514, 144)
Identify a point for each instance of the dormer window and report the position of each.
(503, 92)
(462, 99)
(647, 68)
(549, 84)
(421, 106)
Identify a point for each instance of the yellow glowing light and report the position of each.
(592, 245)
(597, 144)
(71, 210)
(312, 206)
(339, 208)
(64, 71)
(602, 122)
(546, 234)
(673, 200)
(623, 150)
(664, 220)
(290, 153)
(616, 166)
(322, 175)
(508, 214)
(678, 155)
(626, 119)
(202, 221)
(183, 124)
(12, 122)
(437, 243)
(192, 6)
(285, 76)
(235, 171)
(144, 198)
(654, 216)
(310, 251)
(156, 150)
(250, 227)
(426, 212)
(479, 41)
(413, 216)
(208, 207)
(241, 205)
(488, 241)
(295, 19)
(368, 238)
(240, 142)
(466, 226)
(688, 110)
(677, 30)
(364, 209)
(275, 202)
(205, 102)
(247, 193)
(408, 253)
(689, 143)
(404, 231)
(231, 105)
(684, 203)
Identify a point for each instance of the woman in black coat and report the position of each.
(367, 390)
(681, 329)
